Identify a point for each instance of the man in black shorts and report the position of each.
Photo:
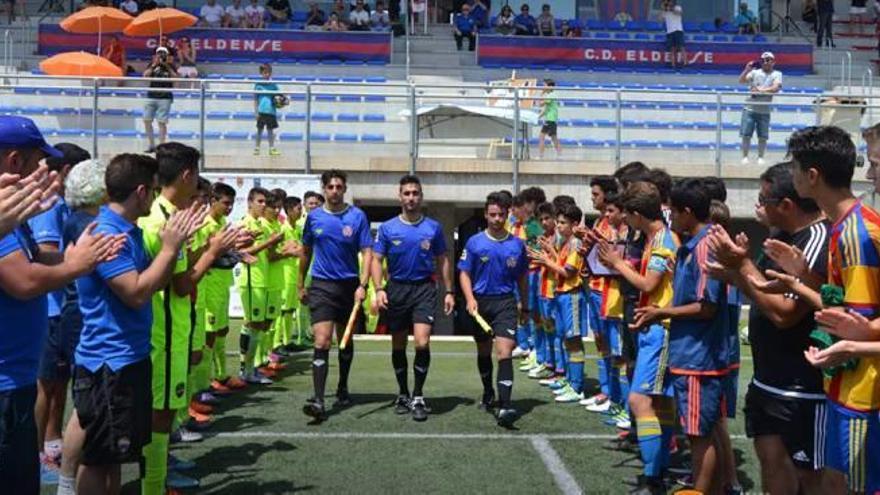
(785, 402)
(332, 238)
(492, 265)
(415, 250)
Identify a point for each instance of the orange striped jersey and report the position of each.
(601, 225)
(547, 283)
(573, 261)
(854, 264)
(659, 256)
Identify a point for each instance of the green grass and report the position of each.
(263, 444)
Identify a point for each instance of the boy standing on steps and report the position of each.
(264, 107)
(550, 113)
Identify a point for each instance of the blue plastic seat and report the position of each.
(325, 97)
(213, 135)
(59, 111)
(191, 114)
(226, 96)
(568, 142)
(243, 115)
(294, 116)
(621, 36)
(236, 135)
(374, 99)
(595, 25)
(319, 136)
(214, 115)
(700, 37)
(374, 117)
(331, 61)
(739, 38)
(376, 62)
(654, 26)
(350, 98)
(659, 37)
(602, 36)
(291, 136)
(581, 123)
(593, 143)
(181, 135)
(690, 26)
(376, 79)
(759, 38)
(720, 38)
(612, 25)
(348, 117)
(322, 116)
(124, 133)
(344, 136)
(373, 138)
(299, 16)
(642, 37)
(24, 91)
(708, 27)
(634, 26)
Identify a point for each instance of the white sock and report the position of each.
(66, 485)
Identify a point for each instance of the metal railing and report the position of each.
(402, 101)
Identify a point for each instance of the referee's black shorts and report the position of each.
(410, 303)
(331, 300)
(500, 313)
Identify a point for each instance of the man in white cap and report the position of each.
(763, 83)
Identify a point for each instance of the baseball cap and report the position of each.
(767, 55)
(21, 133)
(161, 49)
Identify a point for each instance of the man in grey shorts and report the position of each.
(763, 83)
(158, 104)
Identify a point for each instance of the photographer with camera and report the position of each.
(672, 18)
(763, 83)
(158, 104)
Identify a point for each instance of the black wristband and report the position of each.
(363, 286)
(380, 289)
(450, 293)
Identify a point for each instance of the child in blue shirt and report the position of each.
(264, 107)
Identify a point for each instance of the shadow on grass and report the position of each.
(747, 483)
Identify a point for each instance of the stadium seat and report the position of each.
(291, 136)
(322, 116)
(344, 136)
(595, 25)
(349, 98)
(62, 111)
(759, 38)
(213, 135)
(348, 117)
(568, 142)
(297, 116)
(243, 115)
(602, 36)
(700, 37)
(236, 135)
(635, 26)
(654, 26)
(72, 132)
(219, 115)
(642, 37)
(373, 138)
(739, 38)
(325, 97)
(621, 36)
(299, 16)
(691, 27)
(319, 136)
(124, 133)
(181, 135)
(708, 27)
(374, 117)
(374, 99)
(659, 37)
(376, 79)
(720, 38)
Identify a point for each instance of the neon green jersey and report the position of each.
(275, 279)
(255, 274)
(291, 265)
(215, 278)
(178, 307)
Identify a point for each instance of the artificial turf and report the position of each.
(265, 445)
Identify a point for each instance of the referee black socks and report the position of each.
(398, 361)
(345, 358)
(505, 382)
(420, 369)
(319, 372)
(484, 365)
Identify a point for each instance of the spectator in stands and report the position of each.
(550, 114)
(464, 26)
(255, 15)
(671, 16)
(211, 14)
(379, 19)
(480, 13)
(264, 107)
(359, 19)
(186, 56)
(341, 11)
(115, 53)
(504, 23)
(235, 16)
(763, 83)
(524, 23)
(130, 7)
(279, 10)
(172, 50)
(316, 19)
(566, 31)
(10, 9)
(158, 104)
(334, 24)
(825, 9)
(546, 22)
(745, 20)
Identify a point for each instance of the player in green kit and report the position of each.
(267, 363)
(173, 312)
(252, 283)
(291, 233)
(215, 288)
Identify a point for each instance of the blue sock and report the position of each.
(614, 385)
(561, 355)
(540, 345)
(550, 350)
(651, 444)
(602, 363)
(522, 336)
(624, 391)
(576, 371)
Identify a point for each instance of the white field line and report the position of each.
(561, 476)
(354, 435)
(433, 354)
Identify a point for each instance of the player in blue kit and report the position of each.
(698, 332)
(415, 250)
(332, 238)
(492, 266)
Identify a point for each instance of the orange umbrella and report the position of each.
(79, 64)
(157, 22)
(97, 20)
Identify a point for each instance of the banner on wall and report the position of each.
(582, 52)
(237, 44)
(294, 184)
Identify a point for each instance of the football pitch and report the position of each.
(261, 442)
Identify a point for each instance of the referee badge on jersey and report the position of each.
(347, 231)
(511, 261)
(425, 245)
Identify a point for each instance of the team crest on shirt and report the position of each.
(425, 245)
(396, 242)
(347, 231)
(484, 259)
(511, 262)
(179, 389)
(319, 231)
